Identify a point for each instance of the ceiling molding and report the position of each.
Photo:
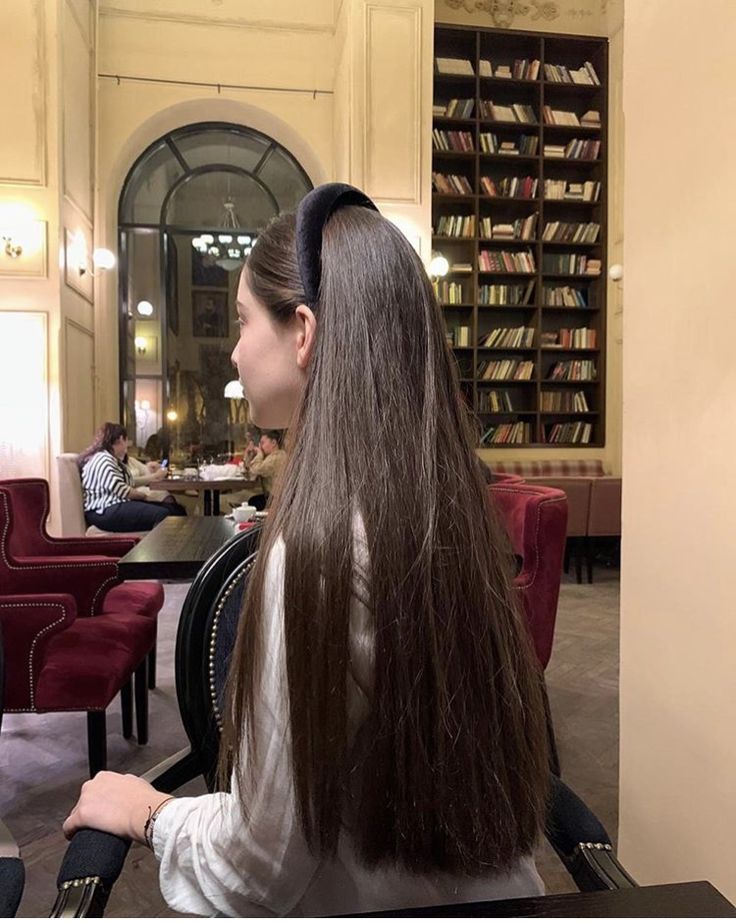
(258, 25)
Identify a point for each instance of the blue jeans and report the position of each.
(133, 515)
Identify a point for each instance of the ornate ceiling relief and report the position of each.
(505, 12)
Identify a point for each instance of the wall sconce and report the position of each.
(438, 265)
(144, 308)
(103, 258)
(12, 248)
(140, 345)
(78, 258)
(172, 416)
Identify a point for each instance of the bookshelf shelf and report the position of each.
(472, 320)
(453, 155)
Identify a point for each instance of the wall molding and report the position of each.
(414, 15)
(39, 92)
(259, 25)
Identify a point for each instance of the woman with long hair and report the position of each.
(111, 501)
(385, 740)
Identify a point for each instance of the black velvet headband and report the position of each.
(314, 210)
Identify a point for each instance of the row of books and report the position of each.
(589, 119)
(576, 149)
(508, 338)
(510, 187)
(579, 433)
(454, 109)
(459, 336)
(572, 264)
(506, 294)
(564, 402)
(573, 370)
(448, 292)
(572, 232)
(507, 434)
(521, 69)
(516, 112)
(520, 229)
(506, 261)
(455, 226)
(452, 140)
(526, 145)
(559, 73)
(505, 370)
(564, 296)
(451, 184)
(495, 402)
(564, 190)
(570, 338)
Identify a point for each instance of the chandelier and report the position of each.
(227, 249)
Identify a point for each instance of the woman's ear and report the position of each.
(306, 334)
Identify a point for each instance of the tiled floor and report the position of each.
(43, 758)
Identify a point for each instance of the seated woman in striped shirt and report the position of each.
(111, 502)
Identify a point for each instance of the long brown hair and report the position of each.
(449, 770)
(105, 437)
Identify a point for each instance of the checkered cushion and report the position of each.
(573, 468)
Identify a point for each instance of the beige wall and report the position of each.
(678, 625)
(584, 17)
(46, 178)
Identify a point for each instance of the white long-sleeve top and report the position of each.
(214, 863)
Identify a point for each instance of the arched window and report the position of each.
(190, 209)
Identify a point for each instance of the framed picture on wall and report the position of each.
(209, 314)
(206, 272)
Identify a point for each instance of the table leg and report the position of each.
(207, 501)
(215, 502)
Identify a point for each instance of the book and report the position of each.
(484, 68)
(454, 67)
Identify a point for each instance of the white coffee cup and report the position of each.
(243, 513)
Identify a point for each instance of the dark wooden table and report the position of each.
(176, 548)
(687, 899)
(210, 490)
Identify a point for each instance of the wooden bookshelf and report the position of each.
(472, 320)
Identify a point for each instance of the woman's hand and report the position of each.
(119, 804)
(160, 474)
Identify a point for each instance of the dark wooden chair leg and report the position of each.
(579, 560)
(589, 555)
(141, 701)
(126, 708)
(152, 666)
(96, 741)
(566, 559)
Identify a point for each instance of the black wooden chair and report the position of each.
(207, 628)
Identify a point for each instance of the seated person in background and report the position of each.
(146, 474)
(267, 463)
(111, 502)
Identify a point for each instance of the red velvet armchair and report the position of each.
(33, 561)
(535, 519)
(56, 661)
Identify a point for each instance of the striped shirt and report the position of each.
(105, 482)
